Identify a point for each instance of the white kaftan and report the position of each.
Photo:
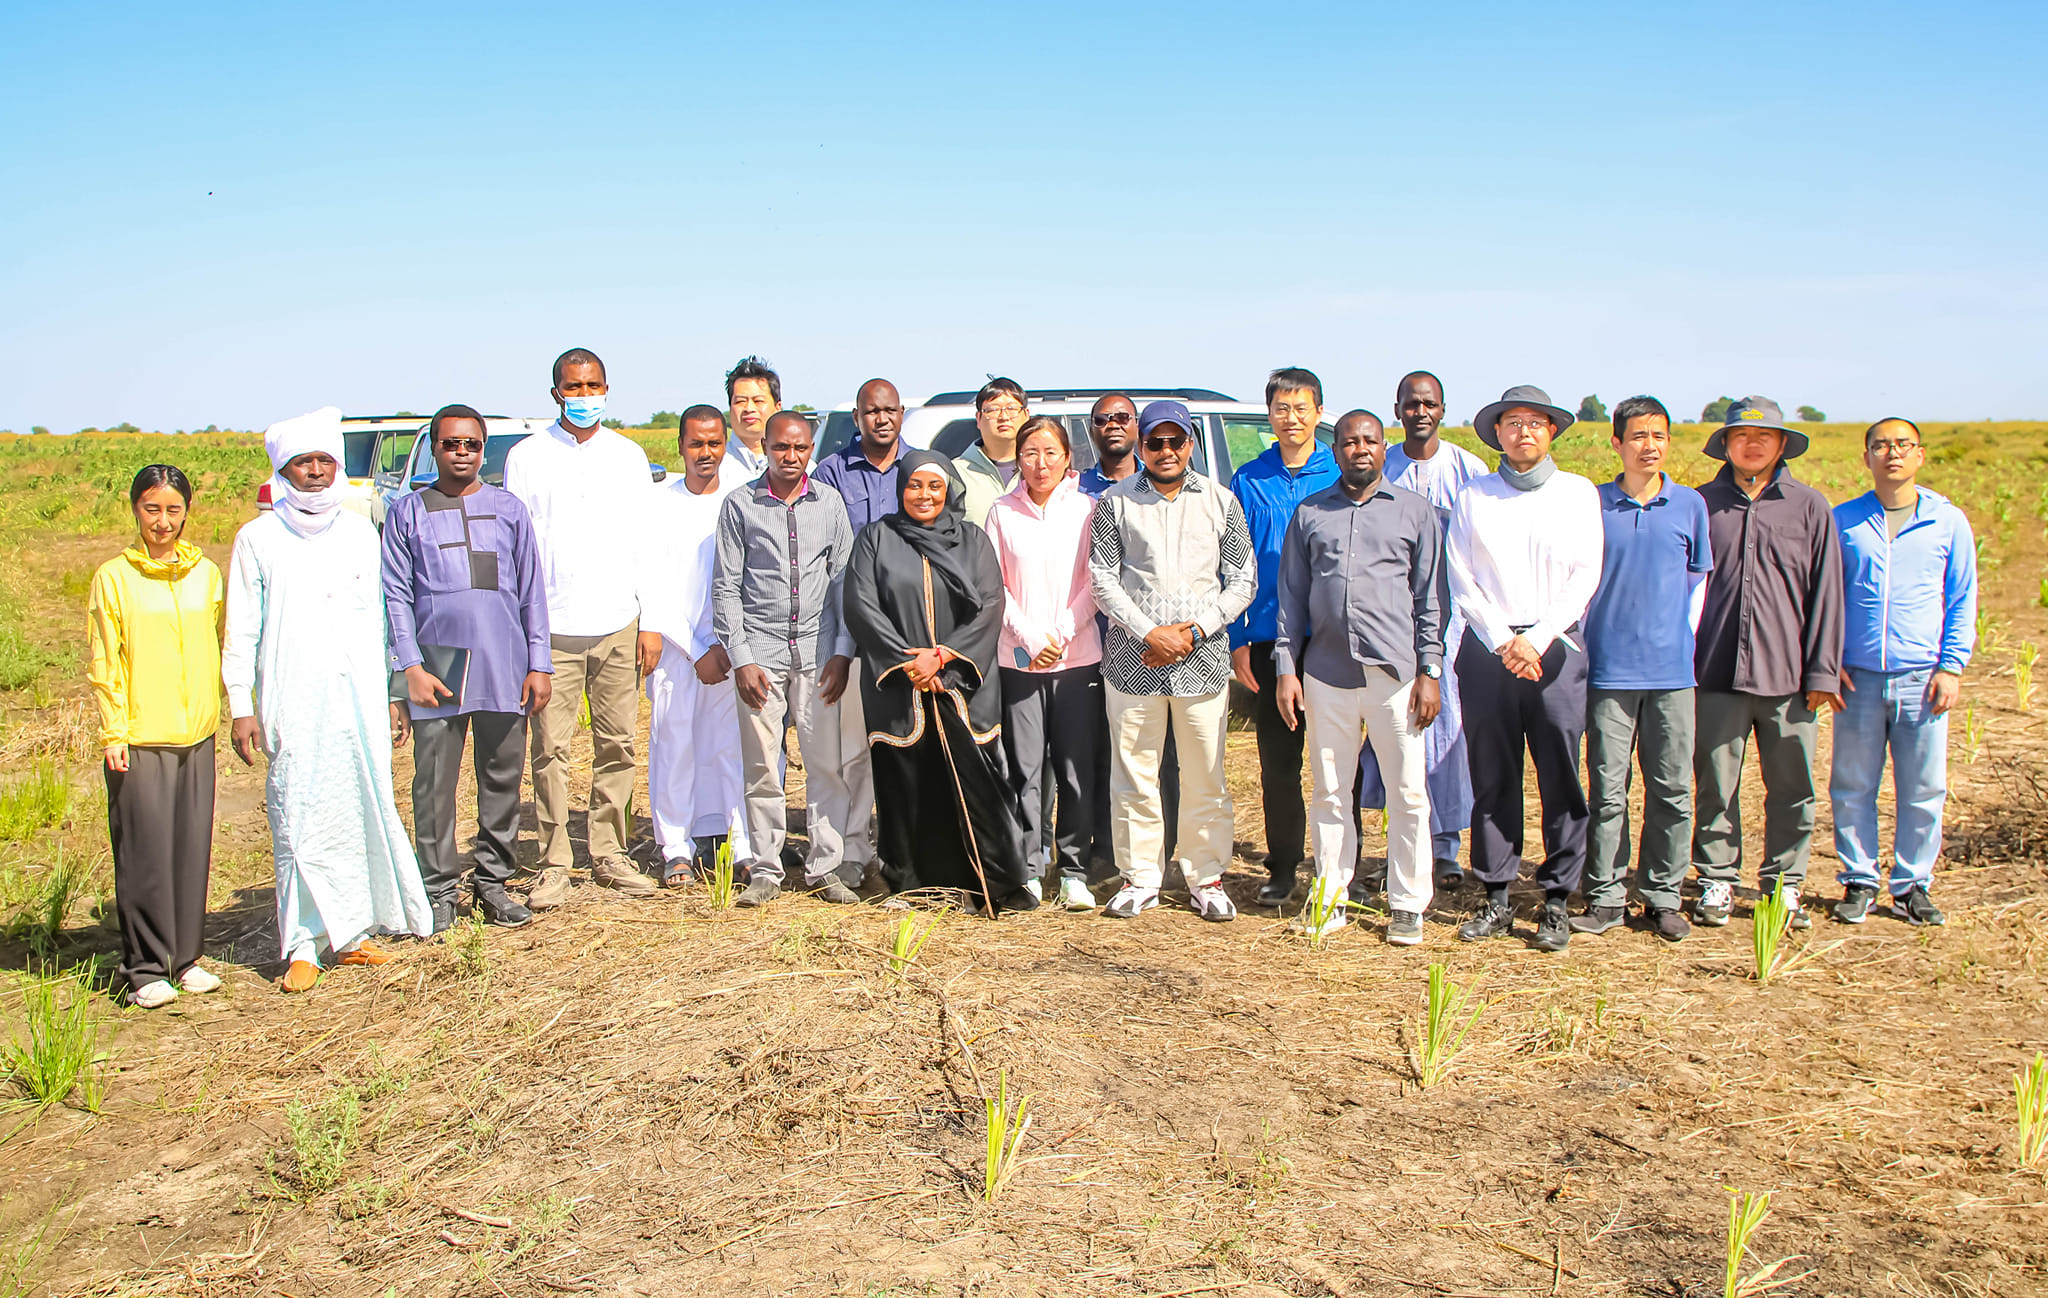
(695, 781)
(305, 656)
(1438, 480)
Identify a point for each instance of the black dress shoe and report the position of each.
(444, 914)
(1553, 927)
(1492, 919)
(499, 909)
(1276, 890)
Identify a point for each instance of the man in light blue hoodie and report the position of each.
(1909, 565)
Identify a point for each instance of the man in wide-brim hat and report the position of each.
(1524, 554)
(1768, 655)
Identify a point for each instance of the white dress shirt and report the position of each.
(1525, 558)
(588, 502)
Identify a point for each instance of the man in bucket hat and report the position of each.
(1768, 655)
(1524, 554)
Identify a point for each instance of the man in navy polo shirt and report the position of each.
(863, 471)
(1270, 488)
(1639, 652)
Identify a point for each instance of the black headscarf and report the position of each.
(943, 540)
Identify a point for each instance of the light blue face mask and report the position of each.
(583, 411)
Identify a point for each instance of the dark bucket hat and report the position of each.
(1524, 395)
(1755, 412)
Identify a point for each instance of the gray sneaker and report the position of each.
(550, 890)
(836, 892)
(1405, 930)
(1917, 908)
(1715, 902)
(1854, 907)
(621, 875)
(758, 893)
(1598, 919)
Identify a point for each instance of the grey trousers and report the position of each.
(160, 821)
(1786, 731)
(500, 759)
(1656, 727)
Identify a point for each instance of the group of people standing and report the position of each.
(1043, 661)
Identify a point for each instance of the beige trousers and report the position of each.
(606, 669)
(1340, 721)
(839, 782)
(1137, 825)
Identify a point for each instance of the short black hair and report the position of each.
(1888, 419)
(446, 413)
(753, 367)
(153, 476)
(700, 414)
(995, 386)
(577, 356)
(1636, 408)
(1418, 374)
(1360, 413)
(1046, 424)
(1293, 379)
(768, 429)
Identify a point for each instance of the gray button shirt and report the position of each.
(1362, 584)
(775, 602)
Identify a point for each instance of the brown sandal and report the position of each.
(300, 977)
(365, 953)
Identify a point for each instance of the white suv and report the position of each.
(1229, 433)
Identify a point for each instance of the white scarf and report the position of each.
(307, 513)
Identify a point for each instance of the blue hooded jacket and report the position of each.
(1912, 599)
(1270, 492)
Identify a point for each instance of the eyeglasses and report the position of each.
(1886, 448)
(1166, 442)
(1530, 423)
(1124, 417)
(1002, 408)
(461, 444)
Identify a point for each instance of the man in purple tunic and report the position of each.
(469, 639)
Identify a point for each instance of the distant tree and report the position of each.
(802, 409)
(665, 419)
(1716, 411)
(39, 430)
(124, 427)
(1592, 410)
(1812, 416)
(613, 423)
(405, 414)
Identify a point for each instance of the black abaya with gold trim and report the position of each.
(947, 816)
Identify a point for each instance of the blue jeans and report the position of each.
(1887, 713)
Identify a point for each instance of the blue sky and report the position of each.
(229, 214)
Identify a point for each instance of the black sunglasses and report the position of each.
(1166, 442)
(461, 444)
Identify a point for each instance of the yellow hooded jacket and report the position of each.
(155, 629)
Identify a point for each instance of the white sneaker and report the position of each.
(1212, 903)
(1130, 900)
(1337, 916)
(153, 995)
(1074, 895)
(199, 980)
(1035, 888)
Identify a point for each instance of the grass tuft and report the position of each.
(35, 802)
(58, 1053)
(2030, 1089)
(721, 883)
(1773, 920)
(2023, 675)
(1006, 1127)
(41, 919)
(1443, 1036)
(906, 942)
(320, 1139)
(1746, 1212)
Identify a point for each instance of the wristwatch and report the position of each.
(1433, 671)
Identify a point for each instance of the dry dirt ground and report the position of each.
(657, 1097)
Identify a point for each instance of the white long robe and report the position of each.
(305, 655)
(1438, 480)
(695, 779)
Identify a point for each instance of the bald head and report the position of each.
(878, 414)
(1360, 444)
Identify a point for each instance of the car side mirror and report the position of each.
(424, 480)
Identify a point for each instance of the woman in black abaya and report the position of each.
(924, 601)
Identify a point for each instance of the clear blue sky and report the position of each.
(230, 214)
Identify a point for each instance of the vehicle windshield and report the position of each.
(359, 451)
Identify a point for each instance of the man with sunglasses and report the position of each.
(1909, 567)
(1171, 565)
(990, 465)
(1113, 427)
(469, 636)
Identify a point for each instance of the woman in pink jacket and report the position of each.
(1051, 656)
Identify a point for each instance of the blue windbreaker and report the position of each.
(1269, 493)
(1912, 599)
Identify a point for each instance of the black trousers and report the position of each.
(500, 759)
(160, 821)
(1049, 735)
(1280, 751)
(1505, 714)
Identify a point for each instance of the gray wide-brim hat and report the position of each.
(1755, 412)
(1524, 395)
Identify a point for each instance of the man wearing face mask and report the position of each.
(1524, 553)
(307, 684)
(585, 487)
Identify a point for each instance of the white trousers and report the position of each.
(1339, 721)
(1137, 826)
(694, 783)
(839, 781)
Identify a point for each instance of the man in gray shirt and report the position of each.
(1361, 648)
(1170, 561)
(783, 542)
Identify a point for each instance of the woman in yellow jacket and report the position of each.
(154, 619)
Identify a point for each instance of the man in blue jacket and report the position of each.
(1909, 566)
(1270, 488)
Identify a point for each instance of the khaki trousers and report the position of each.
(606, 669)
(1138, 726)
(1339, 723)
(839, 782)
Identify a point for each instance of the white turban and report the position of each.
(306, 512)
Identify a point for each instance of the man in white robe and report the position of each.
(694, 775)
(1437, 471)
(307, 682)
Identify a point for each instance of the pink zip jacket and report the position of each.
(1044, 553)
